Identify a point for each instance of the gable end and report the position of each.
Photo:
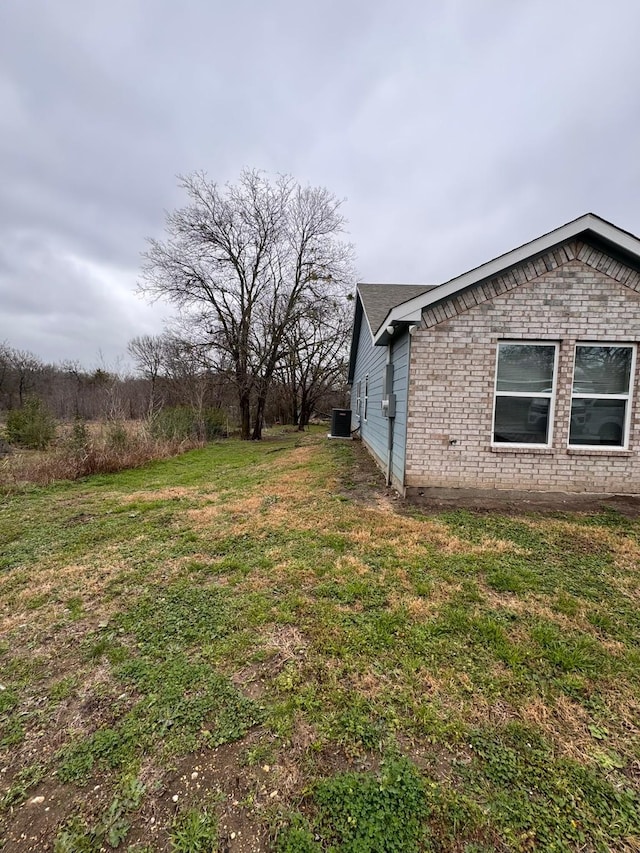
(527, 271)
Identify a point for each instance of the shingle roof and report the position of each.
(591, 229)
(379, 299)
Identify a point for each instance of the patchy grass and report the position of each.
(250, 646)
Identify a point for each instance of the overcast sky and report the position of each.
(455, 130)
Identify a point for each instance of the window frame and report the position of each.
(358, 397)
(366, 397)
(604, 448)
(551, 395)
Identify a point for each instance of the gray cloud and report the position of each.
(455, 129)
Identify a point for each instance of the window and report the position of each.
(366, 396)
(358, 398)
(601, 395)
(524, 393)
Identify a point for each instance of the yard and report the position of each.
(253, 647)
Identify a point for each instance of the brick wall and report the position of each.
(573, 293)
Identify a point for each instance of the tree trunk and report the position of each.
(259, 418)
(306, 405)
(245, 417)
(152, 398)
(256, 435)
(305, 414)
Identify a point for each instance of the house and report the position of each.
(519, 374)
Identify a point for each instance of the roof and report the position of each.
(386, 305)
(379, 299)
(590, 228)
(375, 301)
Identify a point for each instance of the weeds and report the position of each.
(112, 828)
(356, 812)
(81, 454)
(153, 618)
(184, 706)
(25, 780)
(194, 831)
(538, 800)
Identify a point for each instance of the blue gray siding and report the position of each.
(371, 361)
(400, 358)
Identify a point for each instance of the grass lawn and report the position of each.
(252, 647)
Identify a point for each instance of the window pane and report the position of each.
(597, 422)
(523, 367)
(522, 420)
(602, 370)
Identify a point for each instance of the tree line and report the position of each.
(260, 278)
(169, 374)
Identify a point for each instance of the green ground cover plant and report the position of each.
(31, 426)
(251, 644)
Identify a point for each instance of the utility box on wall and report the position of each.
(389, 406)
(340, 423)
(388, 397)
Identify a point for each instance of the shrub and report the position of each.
(83, 454)
(215, 423)
(32, 426)
(181, 422)
(79, 439)
(117, 438)
(176, 422)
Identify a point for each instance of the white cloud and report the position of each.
(456, 130)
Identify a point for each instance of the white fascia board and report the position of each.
(364, 314)
(411, 311)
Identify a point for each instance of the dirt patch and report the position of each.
(215, 779)
(218, 779)
(173, 493)
(34, 824)
(517, 502)
(243, 783)
(438, 762)
(204, 516)
(288, 641)
(363, 482)
(285, 644)
(50, 724)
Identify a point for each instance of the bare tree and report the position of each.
(242, 261)
(186, 364)
(315, 362)
(69, 390)
(149, 353)
(5, 367)
(19, 370)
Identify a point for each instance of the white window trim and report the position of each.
(550, 395)
(358, 397)
(604, 448)
(366, 397)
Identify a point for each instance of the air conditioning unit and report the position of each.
(340, 423)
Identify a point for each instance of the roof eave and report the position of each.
(388, 330)
(411, 311)
(355, 337)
